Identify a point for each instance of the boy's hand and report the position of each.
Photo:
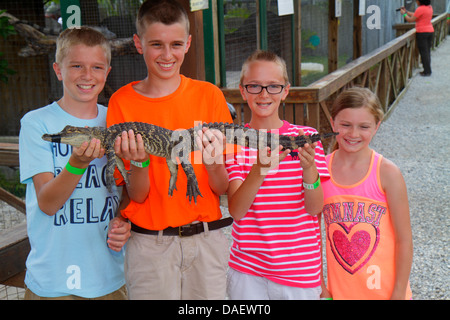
(88, 151)
(130, 147)
(118, 233)
(213, 144)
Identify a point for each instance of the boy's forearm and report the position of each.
(139, 185)
(217, 178)
(53, 192)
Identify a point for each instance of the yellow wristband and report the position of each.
(74, 170)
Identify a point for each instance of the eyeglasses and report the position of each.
(257, 89)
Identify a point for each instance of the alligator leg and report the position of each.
(192, 184)
(110, 166)
(173, 168)
(124, 172)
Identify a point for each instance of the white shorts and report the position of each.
(242, 286)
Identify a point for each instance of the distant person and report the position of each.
(424, 32)
(369, 245)
(448, 14)
(76, 240)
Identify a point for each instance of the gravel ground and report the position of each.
(416, 137)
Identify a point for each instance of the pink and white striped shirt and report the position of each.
(277, 239)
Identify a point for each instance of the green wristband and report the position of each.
(144, 164)
(74, 170)
(313, 186)
(405, 15)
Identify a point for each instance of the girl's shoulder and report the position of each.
(388, 166)
(390, 173)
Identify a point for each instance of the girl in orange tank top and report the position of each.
(368, 231)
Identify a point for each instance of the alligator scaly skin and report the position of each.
(169, 144)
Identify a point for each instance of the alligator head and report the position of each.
(75, 136)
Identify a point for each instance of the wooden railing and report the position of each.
(14, 245)
(387, 71)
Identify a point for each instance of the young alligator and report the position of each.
(162, 142)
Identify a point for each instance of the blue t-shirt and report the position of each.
(69, 254)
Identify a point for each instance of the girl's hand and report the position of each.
(267, 160)
(307, 154)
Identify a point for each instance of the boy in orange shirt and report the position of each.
(172, 266)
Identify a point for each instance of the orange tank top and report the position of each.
(360, 239)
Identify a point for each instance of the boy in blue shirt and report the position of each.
(76, 240)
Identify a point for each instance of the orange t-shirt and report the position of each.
(194, 101)
(423, 15)
(360, 237)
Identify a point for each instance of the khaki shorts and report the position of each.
(175, 268)
(120, 294)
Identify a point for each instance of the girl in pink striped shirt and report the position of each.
(274, 198)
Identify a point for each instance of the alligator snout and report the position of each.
(52, 137)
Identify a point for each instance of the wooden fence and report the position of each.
(387, 71)
(14, 245)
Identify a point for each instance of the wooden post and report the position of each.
(313, 115)
(221, 35)
(298, 44)
(194, 62)
(261, 24)
(333, 28)
(357, 31)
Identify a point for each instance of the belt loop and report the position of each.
(206, 228)
(159, 238)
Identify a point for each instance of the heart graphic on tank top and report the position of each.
(353, 245)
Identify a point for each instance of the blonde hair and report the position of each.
(164, 11)
(355, 98)
(262, 55)
(81, 35)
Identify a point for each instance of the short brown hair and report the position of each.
(81, 35)
(165, 11)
